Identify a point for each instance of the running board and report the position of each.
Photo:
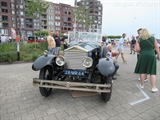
(89, 87)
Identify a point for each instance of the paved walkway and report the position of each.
(20, 100)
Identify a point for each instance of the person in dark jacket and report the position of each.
(58, 43)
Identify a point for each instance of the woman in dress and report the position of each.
(146, 63)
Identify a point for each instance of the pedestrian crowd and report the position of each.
(148, 52)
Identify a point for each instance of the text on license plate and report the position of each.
(74, 72)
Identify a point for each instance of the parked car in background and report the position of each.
(33, 39)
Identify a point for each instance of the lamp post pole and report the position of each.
(74, 30)
(132, 25)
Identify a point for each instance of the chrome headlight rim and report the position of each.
(60, 61)
(85, 64)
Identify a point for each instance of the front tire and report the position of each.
(45, 74)
(106, 96)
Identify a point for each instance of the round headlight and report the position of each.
(87, 62)
(60, 60)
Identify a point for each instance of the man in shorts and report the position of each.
(120, 48)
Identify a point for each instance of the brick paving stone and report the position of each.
(116, 118)
(82, 115)
(39, 114)
(51, 111)
(125, 116)
(91, 112)
(61, 115)
(12, 109)
(8, 116)
(28, 117)
(71, 111)
(73, 117)
(103, 116)
(132, 113)
(50, 117)
(146, 116)
(43, 107)
(20, 113)
(80, 108)
(94, 118)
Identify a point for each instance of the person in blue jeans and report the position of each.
(58, 43)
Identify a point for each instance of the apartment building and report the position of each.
(58, 17)
(96, 10)
(5, 17)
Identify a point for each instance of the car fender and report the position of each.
(106, 66)
(43, 61)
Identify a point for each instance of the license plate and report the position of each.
(74, 72)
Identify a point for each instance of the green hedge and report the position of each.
(28, 52)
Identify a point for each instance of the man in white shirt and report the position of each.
(3, 38)
(120, 47)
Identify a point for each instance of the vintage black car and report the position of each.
(83, 67)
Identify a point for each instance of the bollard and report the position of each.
(18, 52)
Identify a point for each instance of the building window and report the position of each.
(17, 6)
(21, 1)
(0, 25)
(13, 19)
(21, 6)
(99, 13)
(50, 17)
(57, 17)
(22, 19)
(29, 33)
(0, 18)
(14, 25)
(3, 31)
(57, 28)
(4, 4)
(4, 10)
(12, 5)
(12, 0)
(22, 25)
(4, 18)
(57, 23)
(21, 13)
(13, 12)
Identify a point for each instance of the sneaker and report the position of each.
(144, 80)
(154, 90)
(141, 86)
(124, 61)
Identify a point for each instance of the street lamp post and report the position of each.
(74, 30)
(132, 25)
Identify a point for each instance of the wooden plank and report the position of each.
(90, 87)
(73, 88)
(64, 83)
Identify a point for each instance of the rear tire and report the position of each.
(106, 96)
(45, 74)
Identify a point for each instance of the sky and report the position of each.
(127, 16)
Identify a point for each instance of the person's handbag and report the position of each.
(152, 46)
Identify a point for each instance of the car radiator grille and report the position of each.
(74, 59)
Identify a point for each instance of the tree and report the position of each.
(35, 8)
(82, 16)
(43, 33)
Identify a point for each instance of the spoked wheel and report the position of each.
(106, 96)
(45, 74)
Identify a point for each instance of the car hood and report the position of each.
(85, 46)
